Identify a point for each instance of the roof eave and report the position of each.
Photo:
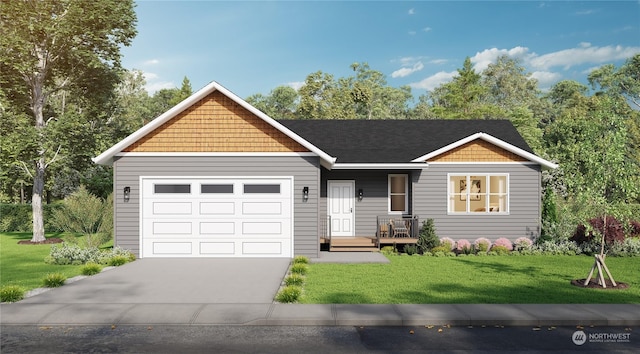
(106, 158)
(493, 140)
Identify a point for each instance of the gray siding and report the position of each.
(430, 201)
(374, 184)
(305, 171)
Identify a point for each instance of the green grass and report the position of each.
(24, 265)
(465, 280)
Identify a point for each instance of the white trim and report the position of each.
(106, 158)
(380, 166)
(493, 140)
(214, 154)
(406, 194)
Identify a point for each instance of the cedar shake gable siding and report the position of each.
(215, 124)
(478, 151)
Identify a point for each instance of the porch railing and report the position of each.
(325, 228)
(397, 227)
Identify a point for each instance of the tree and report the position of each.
(280, 103)
(54, 45)
(624, 81)
(462, 97)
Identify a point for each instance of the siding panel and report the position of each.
(305, 171)
(524, 202)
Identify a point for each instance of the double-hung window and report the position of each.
(398, 194)
(478, 193)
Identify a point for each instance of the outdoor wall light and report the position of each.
(360, 194)
(305, 193)
(127, 194)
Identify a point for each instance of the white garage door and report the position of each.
(217, 217)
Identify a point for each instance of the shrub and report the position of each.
(449, 242)
(614, 231)
(634, 227)
(504, 242)
(463, 246)
(557, 248)
(499, 250)
(522, 244)
(91, 268)
(294, 279)
(630, 247)
(549, 214)
(438, 253)
(82, 212)
(427, 238)
(65, 253)
(106, 256)
(54, 280)
(410, 249)
(299, 268)
(442, 249)
(388, 250)
(482, 244)
(117, 261)
(289, 294)
(11, 293)
(300, 260)
(17, 217)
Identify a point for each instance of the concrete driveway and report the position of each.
(176, 281)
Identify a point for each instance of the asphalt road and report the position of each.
(275, 339)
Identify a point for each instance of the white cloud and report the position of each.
(482, 59)
(412, 33)
(153, 83)
(151, 62)
(412, 11)
(585, 12)
(546, 78)
(438, 61)
(296, 85)
(434, 81)
(585, 54)
(408, 71)
(426, 29)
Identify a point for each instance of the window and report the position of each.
(479, 193)
(261, 188)
(172, 188)
(398, 191)
(216, 188)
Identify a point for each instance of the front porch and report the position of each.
(390, 230)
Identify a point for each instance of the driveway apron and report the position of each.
(176, 280)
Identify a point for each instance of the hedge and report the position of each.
(17, 217)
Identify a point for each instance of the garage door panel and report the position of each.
(168, 208)
(216, 217)
(217, 208)
(217, 228)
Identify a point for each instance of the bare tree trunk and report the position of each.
(36, 201)
(38, 99)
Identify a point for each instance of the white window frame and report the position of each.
(406, 194)
(486, 194)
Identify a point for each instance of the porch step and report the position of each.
(353, 244)
(354, 249)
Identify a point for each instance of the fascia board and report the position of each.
(493, 140)
(380, 166)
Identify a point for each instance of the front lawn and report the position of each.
(24, 264)
(465, 280)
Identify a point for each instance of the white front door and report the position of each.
(340, 203)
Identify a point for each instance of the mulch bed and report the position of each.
(48, 241)
(593, 284)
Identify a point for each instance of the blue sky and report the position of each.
(253, 47)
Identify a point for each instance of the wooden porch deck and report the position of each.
(364, 243)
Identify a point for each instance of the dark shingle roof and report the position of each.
(395, 141)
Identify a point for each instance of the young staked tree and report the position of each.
(47, 46)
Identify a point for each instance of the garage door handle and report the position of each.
(351, 210)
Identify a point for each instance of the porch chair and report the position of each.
(400, 228)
